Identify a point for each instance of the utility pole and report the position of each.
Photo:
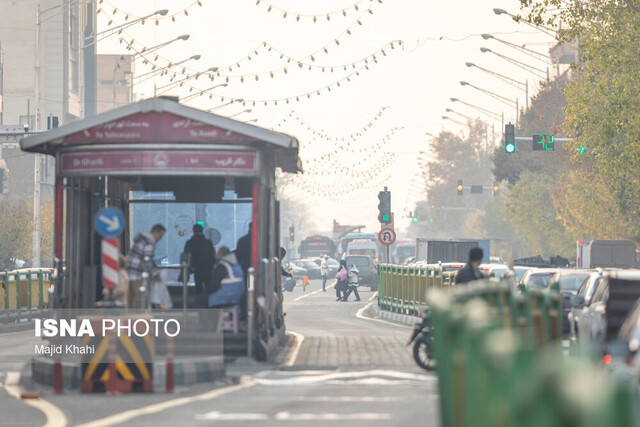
(35, 262)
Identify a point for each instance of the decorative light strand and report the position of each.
(314, 17)
(127, 15)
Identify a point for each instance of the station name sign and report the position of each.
(140, 161)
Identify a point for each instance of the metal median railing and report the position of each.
(24, 293)
(405, 289)
(500, 362)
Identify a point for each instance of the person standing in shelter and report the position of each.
(243, 250)
(353, 283)
(470, 272)
(202, 258)
(144, 246)
(227, 280)
(324, 271)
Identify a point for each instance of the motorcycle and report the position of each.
(423, 343)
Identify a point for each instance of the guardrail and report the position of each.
(405, 289)
(500, 362)
(24, 293)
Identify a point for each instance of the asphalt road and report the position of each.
(342, 369)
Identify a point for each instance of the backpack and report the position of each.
(342, 274)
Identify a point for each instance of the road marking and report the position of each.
(376, 376)
(217, 415)
(287, 416)
(294, 354)
(359, 315)
(54, 415)
(375, 295)
(375, 399)
(312, 293)
(122, 417)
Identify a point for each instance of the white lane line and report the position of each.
(54, 415)
(313, 293)
(375, 295)
(374, 399)
(287, 416)
(359, 315)
(217, 415)
(122, 417)
(294, 354)
(375, 376)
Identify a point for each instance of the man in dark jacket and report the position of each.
(202, 257)
(243, 251)
(470, 272)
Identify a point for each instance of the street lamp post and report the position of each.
(453, 120)
(464, 116)
(489, 113)
(530, 68)
(248, 110)
(537, 55)
(496, 96)
(549, 31)
(164, 70)
(513, 82)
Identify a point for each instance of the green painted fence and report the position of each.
(404, 289)
(24, 292)
(500, 362)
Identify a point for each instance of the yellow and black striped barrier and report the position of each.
(133, 362)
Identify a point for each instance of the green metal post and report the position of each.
(18, 295)
(29, 294)
(40, 292)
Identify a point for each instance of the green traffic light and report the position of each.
(510, 148)
(385, 218)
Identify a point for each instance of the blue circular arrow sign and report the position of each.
(109, 222)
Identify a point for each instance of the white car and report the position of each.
(580, 305)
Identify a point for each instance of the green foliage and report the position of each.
(532, 213)
(16, 233)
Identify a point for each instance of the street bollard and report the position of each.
(169, 380)
(112, 383)
(250, 308)
(57, 372)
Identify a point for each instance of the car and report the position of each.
(519, 271)
(368, 275)
(626, 347)
(494, 270)
(577, 309)
(294, 269)
(537, 278)
(612, 300)
(568, 282)
(313, 270)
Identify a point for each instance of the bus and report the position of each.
(317, 246)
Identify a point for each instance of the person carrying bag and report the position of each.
(341, 284)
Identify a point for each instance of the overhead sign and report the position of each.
(387, 236)
(109, 222)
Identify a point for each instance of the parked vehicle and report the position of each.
(519, 271)
(626, 346)
(334, 265)
(423, 343)
(494, 270)
(606, 253)
(537, 277)
(579, 307)
(363, 247)
(612, 300)
(569, 282)
(368, 275)
(433, 251)
(313, 270)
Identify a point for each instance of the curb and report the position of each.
(185, 372)
(406, 319)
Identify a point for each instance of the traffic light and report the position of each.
(496, 187)
(412, 218)
(384, 206)
(459, 187)
(509, 138)
(543, 142)
(292, 234)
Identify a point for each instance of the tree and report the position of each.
(46, 234)
(16, 233)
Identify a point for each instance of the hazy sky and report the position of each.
(415, 80)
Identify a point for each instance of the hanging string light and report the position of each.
(314, 17)
(157, 20)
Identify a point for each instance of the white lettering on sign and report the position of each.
(123, 135)
(88, 162)
(230, 161)
(126, 124)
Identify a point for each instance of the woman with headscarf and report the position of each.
(341, 284)
(353, 283)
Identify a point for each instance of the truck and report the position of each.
(457, 250)
(606, 253)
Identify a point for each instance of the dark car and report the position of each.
(368, 275)
(569, 282)
(313, 270)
